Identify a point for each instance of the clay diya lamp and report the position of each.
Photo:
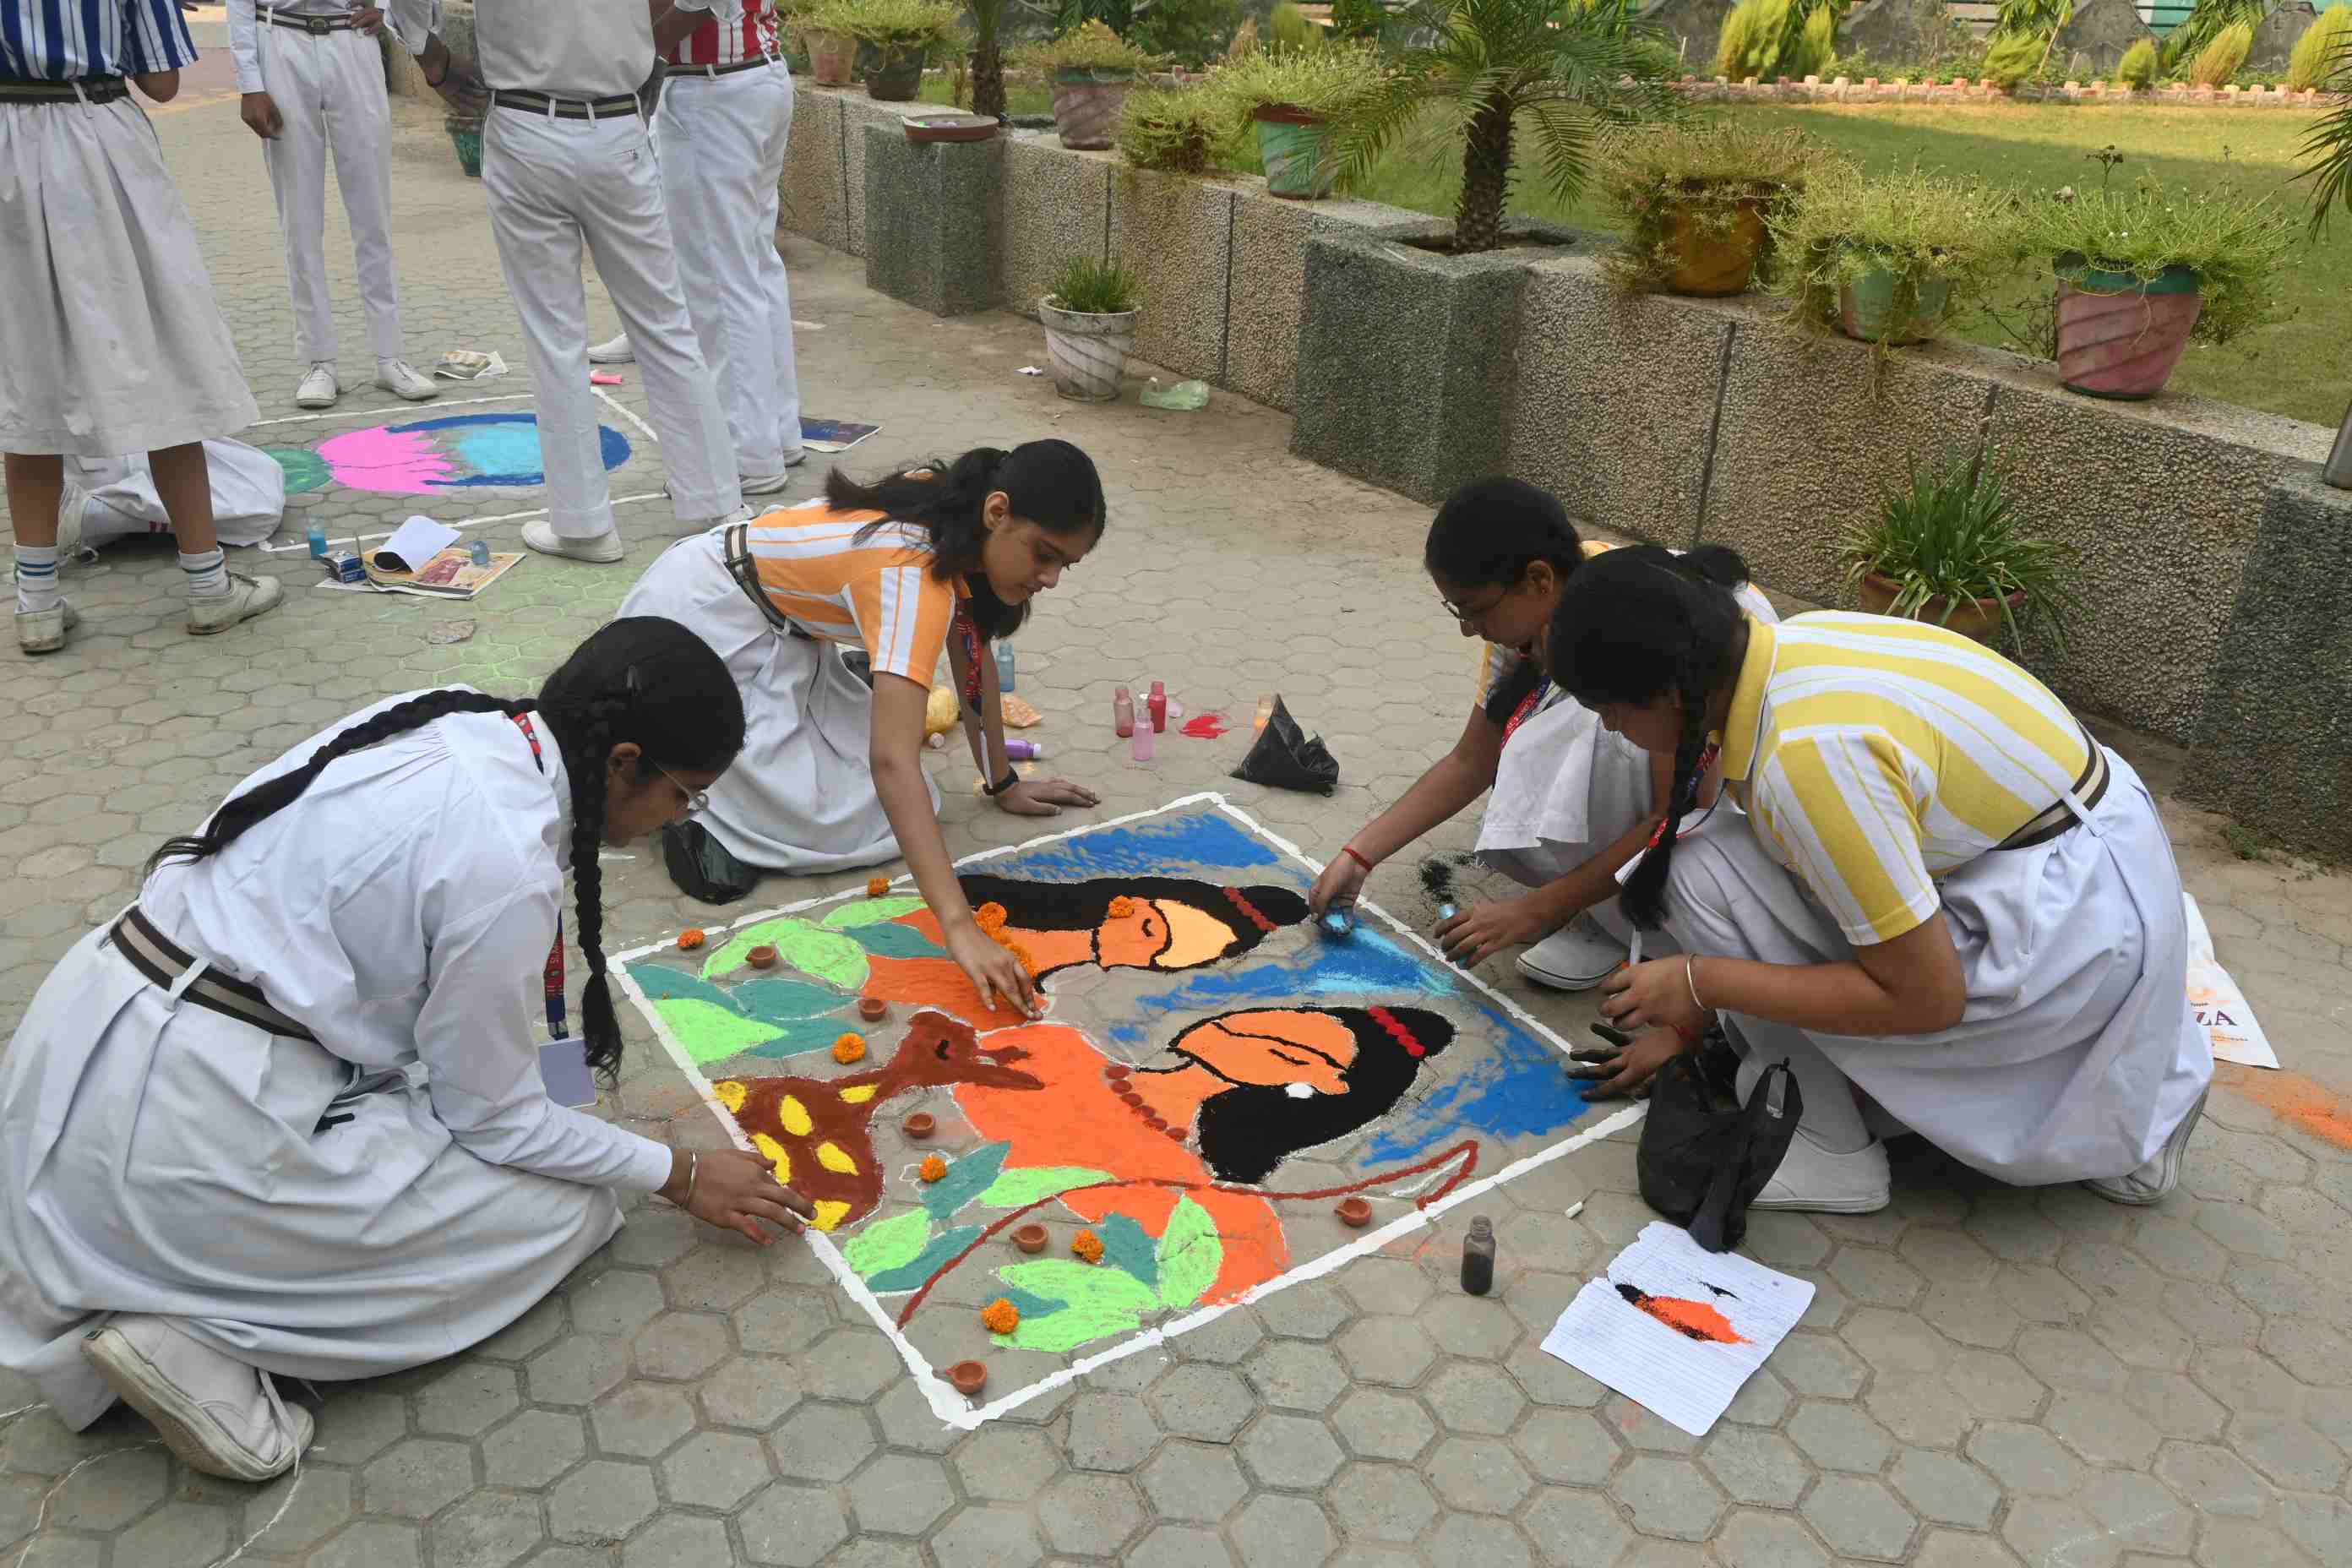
(1355, 1213)
(873, 1009)
(1030, 1238)
(919, 1126)
(761, 957)
(969, 1377)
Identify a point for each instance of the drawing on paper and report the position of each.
(429, 457)
(1209, 1077)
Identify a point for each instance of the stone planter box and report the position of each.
(1425, 412)
(935, 221)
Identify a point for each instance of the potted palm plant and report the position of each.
(1287, 97)
(1091, 69)
(1695, 201)
(2329, 150)
(1889, 259)
(904, 33)
(987, 57)
(1946, 546)
(1090, 328)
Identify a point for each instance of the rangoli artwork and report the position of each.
(429, 457)
(1210, 1078)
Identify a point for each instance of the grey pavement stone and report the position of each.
(642, 1419)
(534, 1449)
(1290, 1451)
(1204, 1402)
(821, 1442)
(1574, 1527)
(1090, 1516)
(1477, 1475)
(1756, 1466)
(369, 1544)
(1750, 1540)
(1112, 1432)
(683, 1346)
(1382, 1502)
(755, 1392)
(487, 1529)
(1381, 1424)
(792, 1526)
(1839, 1436)
(1312, 1311)
(1860, 1518)
(901, 1494)
(677, 1540)
(1012, 1463)
(1180, 1546)
(1391, 1350)
(1672, 1497)
(177, 1532)
(1470, 1396)
(717, 1470)
(1293, 1374)
(603, 1500)
(984, 1538)
(1945, 1489)
(1276, 1531)
(418, 1479)
(1193, 1481)
(466, 1402)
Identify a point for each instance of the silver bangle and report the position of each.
(1690, 978)
(693, 1174)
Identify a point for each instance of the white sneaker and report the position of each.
(1813, 1179)
(402, 379)
(44, 631)
(73, 501)
(612, 351)
(765, 484)
(246, 597)
(217, 1414)
(541, 536)
(1579, 956)
(320, 388)
(2152, 1180)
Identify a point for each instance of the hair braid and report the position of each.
(272, 796)
(585, 744)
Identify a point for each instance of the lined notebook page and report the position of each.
(1677, 1328)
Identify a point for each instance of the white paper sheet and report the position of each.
(417, 541)
(2221, 1007)
(1733, 1310)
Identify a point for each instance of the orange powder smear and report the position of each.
(1693, 1320)
(2293, 1098)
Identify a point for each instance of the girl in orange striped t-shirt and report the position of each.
(939, 558)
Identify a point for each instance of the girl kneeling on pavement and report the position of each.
(284, 1117)
(945, 556)
(1572, 804)
(1944, 903)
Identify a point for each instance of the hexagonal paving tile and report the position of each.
(821, 1442)
(1391, 1350)
(1751, 1539)
(1294, 1452)
(617, 1303)
(1475, 1397)
(1180, 1546)
(1820, 1367)
(467, 1401)
(1756, 1466)
(1839, 1436)
(355, 1427)
(1860, 1518)
(782, 1322)
(901, 1494)
(2137, 1511)
(1314, 1310)
(1571, 1528)
(107, 1491)
(853, 1364)
(579, 1369)
(682, 1346)
(1672, 1497)
(534, 1449)
(1945, 1489)
(1205, 1402)
(489, 1530)
(987, 1538)
(418, 1479)
(1111, 1431)
(642, 1420)
(2213, 1479)
(1276, 1531)
(1381, 1424)
(1387, 1284)
(718, 1276)
(1477, 1475)
(792, 1526)
(1381, 1502)
(754, 1392)
(320, 1504)
(2025, 1460)
(367, 1545)
(1193, 1481)
(177, 1532)
(1492, 1543)
(1012, 1463)
(1090, 1516)
(601, 1501)
(1295, 1375)
(675, 1540)
(715, 1470)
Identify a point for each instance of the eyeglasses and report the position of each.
(697, 800)
(1469, 615)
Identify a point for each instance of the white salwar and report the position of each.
(248, 492)
(159, 1157)
(2078, 1055)
(111, 341)
(800, 796)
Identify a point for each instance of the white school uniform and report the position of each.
(329, 88)
(249, 490)
(558, 187)
(156, 1156)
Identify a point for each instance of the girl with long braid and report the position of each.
(1944, 904)
(283, 1117)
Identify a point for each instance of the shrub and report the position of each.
(1090, 46)
(1921, 228)
(2013, 58)
(893, 27)
(2138, 68)
(2237, 248)
(1190, 32)
(2218, 63)
(1290, 28)
(1710, 171)
(1176, 129)
(1955, 535)
(1770, 38)
(1321, 80)
(2325, 49)
(1095, 288)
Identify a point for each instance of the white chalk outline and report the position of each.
(953, 1408)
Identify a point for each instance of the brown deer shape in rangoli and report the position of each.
(818, 1133)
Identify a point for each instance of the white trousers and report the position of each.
(330, 88)
(552, 184)
(248, 492)
(720, 141)
(2076, 1056)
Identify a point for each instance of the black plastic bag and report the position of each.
(1703, 1157)
(701, 866)
(1285, 758)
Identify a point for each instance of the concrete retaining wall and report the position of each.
(1677, 420)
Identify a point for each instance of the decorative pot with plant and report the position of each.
(1889, 259)
(1492, 68)
(1178, 130)
(1091, 69)
(1090, 328)
(904, 35)
(1947, 547)
(1695, 201)
(2141, 272)
(1287, 97)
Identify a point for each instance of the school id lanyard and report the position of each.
(968, 630)
(553, 975)
(1525, 710)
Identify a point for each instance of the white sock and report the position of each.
(36, 578)
(207, 573)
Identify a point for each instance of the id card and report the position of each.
(563, 1070)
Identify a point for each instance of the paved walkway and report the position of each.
(1987, 1375)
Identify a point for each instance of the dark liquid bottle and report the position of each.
(1479, 1257)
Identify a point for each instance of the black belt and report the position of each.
(2057, 818)
(94, 89)
(318, 26)
(565, 108)
(741, 566)
(159, 958)
(679, 73)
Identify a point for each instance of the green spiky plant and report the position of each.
(2137, 69)
(1768, 40)
(2327, 150)
(2013, 58)
(1493, 69)
(2205, 21)
(2219, 62)
(1089, 287)
(1178, 130)
(1949, 538)
(2320, 53)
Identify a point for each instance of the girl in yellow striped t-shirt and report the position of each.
(932, 559)
(1946, 902)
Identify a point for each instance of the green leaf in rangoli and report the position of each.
(1027, 1304)
(711, 1033)
(781, 1000)
(799, 1038)
(1127, 1245)
(1096, 1302)
(898, 941)
(1020, 1187)
(870, 911)
(826, 955)
(886, 1244)
(660, 983)
(966, 1179)
(1189, 1255)
(934, 1256)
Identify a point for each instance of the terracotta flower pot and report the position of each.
(1088, 352)
(1979, 618)
(1865, 306)
(1714, 247)
(896, 77)
(2117, 337)
(1290, 145)
(919, 1126)
(831, 56)
(1030, 1238)
(1086, 107)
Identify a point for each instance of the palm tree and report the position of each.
(1490, 67)
(2329, 148)
(987, 57)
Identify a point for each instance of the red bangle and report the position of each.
(1352, 853)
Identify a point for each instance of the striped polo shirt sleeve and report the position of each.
(1838, 803)
(902, 614)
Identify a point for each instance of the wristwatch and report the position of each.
(1012, 776)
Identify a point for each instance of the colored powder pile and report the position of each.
(1206, 726)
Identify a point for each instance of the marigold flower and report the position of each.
(690, 939)
(1088, 1246)
(1121, 907)
(932, 1168)
(850, 1048)
(990, 918)
(1000, 1316)
(876, 885)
